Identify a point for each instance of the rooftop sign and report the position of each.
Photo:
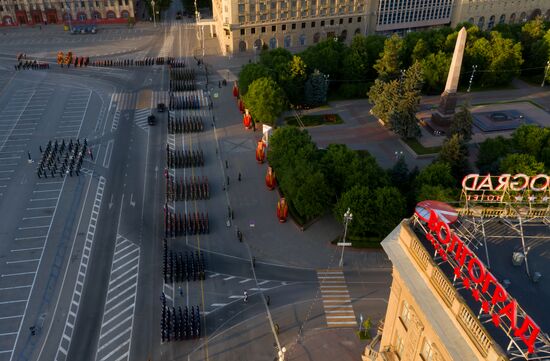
(518, 188)
(484, 287)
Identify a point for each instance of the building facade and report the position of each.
(31, 12)
(488, 13)
(248, 25)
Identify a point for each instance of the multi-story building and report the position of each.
(488, 13)
(457, 296)
(30, 12)
(250, 24)
(247, 25)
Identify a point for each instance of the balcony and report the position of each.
(389, 354)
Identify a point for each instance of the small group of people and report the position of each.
(31, 65)
(62, 158)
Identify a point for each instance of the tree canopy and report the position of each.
(265, 100)
(251, 72)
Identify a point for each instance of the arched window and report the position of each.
(242, 45)
(7, 20)
(491, 22)
(535, 13)
(481, 23)
(513, 18)
(302, 40)
(344, 35)
(523, 17)
(272, 43)
(288, 41)
(357, 31)
(502, 19)
(258, 44)
(316, 38)
(471, 20)
(82, 16)
(125, 14)
(96, 15)
(111, 14)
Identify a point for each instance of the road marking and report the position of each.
(9, 317)
(119, 294)
(14, 287)
(37, 208)
(214, 275)
(25, 238)
(336, 300)
(229, 278)
(33, 227)
(236, 296)
(23, 261)
(246, 280)
(17, 274)
(83, 268)
(108, 153)
(262, 283)
(36, 217)
(16, 301)
(218, 304)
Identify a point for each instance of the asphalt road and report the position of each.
(81, 256)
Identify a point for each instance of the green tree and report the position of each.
(455, 152)
(530, 139)
(462, 123)
(436, 193)
(521, 163)
(435, 68)
(298, 68)
(292, 80)
(435, 182)
(277, 60)
(382, 97)
(388, 64)
(285, 143)
(532, 31)
(491, 150)
(400, 176)
(505, 61)
(338, 164)
(265, 100)
(249, 73)
(326, 56)
(421, 50)
(316, 89)
(390, 207)
(404, 124)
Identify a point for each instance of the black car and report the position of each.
(151, 120)
(161, 107)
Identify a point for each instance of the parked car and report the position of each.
(161, 107)
(151, 120)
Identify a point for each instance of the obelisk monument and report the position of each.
(444, 113)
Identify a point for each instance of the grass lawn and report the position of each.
(420, 149)
(316, 119)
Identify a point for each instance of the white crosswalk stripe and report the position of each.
(140, 118)
(125, 101)
(336, 300)
(118, 315)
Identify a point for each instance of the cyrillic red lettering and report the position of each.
(511, 311)
(471, 270)
(528, 325)
(499, 295)
(445, 226)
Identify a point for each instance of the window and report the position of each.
(405, 314)
(241, 19)
(359, 19)
(313, 24)
(322, 23)
(273, 16)
(119, 2)
(241, 8)
(242, 31)
(126, 2)
(350, 20)
(283, 5)
(273, 5)
(1, 8)
(341, 21)
(332, 22)
(263, 29)
(252, 8)
(283, 27)
(293, 26)
(252, 17)
(274, 28)
(427, 351)
(253, 31)
(97, 4)
(84, 5)
(303, 25)
(399, 346)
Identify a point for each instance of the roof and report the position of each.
(427, 301)
(503, 238)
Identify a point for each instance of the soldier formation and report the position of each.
(62, 158)
(182, 266)
(148, 61)
(181, 324)
(184, 158)
(182, 100)
(177, 224)
(182, 79)
(189, 189)
(188, 124)
(31, 65)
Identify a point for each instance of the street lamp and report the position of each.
(347, 218)
(474, 67)
(398, 154)
(154, 14)
(281, 353)
(545, 73)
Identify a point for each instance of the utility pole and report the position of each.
(545, 73)
(347, 218)
(154, 13)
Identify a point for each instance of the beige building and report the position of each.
(247, 25)
(30, 12)
(431, 318)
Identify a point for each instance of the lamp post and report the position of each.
(474, 67)
(281, 353)
(545, 73)
(154, 14)
(347, 218)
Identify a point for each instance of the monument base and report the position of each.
(446, 110)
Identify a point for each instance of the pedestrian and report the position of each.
(239, 176)
(40, 147)
(254, 262)
(181, 291)
(228, 180)
(239, 235)
(245, 298)
(276, 327)
(268, 300)
(90, 153)
(29, 153)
